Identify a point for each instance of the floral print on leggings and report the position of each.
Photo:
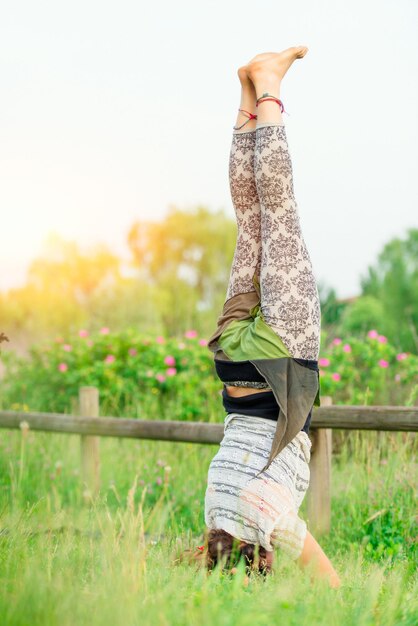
(270, 245)
(247, 257)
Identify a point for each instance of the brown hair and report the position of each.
(225, 549)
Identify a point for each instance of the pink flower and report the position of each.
(160, 378)
(203, 342)
(402, 356)
(382, 339)
(190, 334)
(383, 363)
(181, 345)
(110, 358)
(160, 339)
(132, 351)
(159, 480)
(83, 333)
(324, 362)
(104, 330)
(336, 341)
(398, 377)
(171, 371)
(373, 334)
(347, 347)
(63, 367)
(336, 376)
(170, 360)
(67, 347)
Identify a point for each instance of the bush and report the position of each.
(368, 371)
(165, 378)
(135, 375)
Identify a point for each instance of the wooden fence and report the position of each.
(324, 418)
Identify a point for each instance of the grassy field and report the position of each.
(65, 560)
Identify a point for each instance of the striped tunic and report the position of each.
(252, 506)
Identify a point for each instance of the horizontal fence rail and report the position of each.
(392, 418)
(196, 432)
(91, 427)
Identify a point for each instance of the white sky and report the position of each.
(112, 111)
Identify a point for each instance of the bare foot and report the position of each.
(262, 56)
(243, 70)
(270, 67)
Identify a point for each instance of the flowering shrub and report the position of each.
(168, 378)
(368, 371)
(147, 376)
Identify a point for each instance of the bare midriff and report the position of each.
(237, 392)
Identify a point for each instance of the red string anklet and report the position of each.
(251, 116)
(268, 96)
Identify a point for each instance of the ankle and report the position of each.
(248, 99)
(273, 89)
(264, 81)
(247, 86)
(249, 123)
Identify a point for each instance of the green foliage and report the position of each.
(368, 371)
(176, 379)
(70, 271)
(134, 374)
(113, 562)
(65, 562)
(198, 242)
(331, 307)
(188, 255)
(393, 280)
(179, 270)
(364, 313)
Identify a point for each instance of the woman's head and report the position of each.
(225, 549)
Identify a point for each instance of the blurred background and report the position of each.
(117, 234)
(116, 123)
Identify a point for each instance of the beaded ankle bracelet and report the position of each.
(268, 96)
(251, 117)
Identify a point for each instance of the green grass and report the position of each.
(65, 561)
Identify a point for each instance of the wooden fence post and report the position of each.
(319, 491)
(90, 457)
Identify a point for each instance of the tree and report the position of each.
(72, 273)
(61, 283)
(393, 280)
(362, 315)
(331, 307)
(188, 256)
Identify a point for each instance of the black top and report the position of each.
(245, 370)
(262, 404)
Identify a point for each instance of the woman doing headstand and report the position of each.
(267, 338)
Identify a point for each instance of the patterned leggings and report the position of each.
(270, 247)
